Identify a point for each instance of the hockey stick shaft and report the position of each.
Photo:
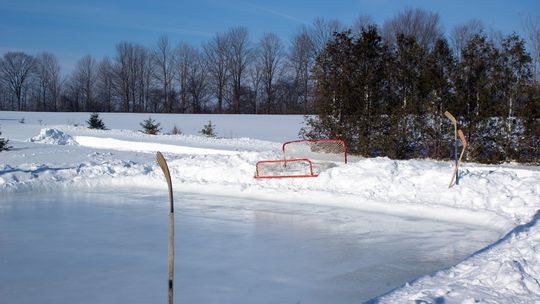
(170, 256)
(455, 172)
(465, 145)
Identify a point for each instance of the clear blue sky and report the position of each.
(71, 29)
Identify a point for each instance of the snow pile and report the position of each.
(53, 137)
(505, 272)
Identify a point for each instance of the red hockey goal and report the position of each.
(280, 168)
(303, 158)
(334, 150)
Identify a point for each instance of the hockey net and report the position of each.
(317, 150)
(284, 168)
(304, 158)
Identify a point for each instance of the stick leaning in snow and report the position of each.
(465, 145)
(170, 257)
(454, 122)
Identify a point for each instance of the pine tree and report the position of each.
(440, 64)
(350, 92)
(4, 143)
(516, 74)
(150, 126)
(209, 130)
(95, 122)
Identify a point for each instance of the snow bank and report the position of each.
(53, 137)
(123, 145)
(505, 272)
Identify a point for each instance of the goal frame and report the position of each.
(342, 142)
(285, 161)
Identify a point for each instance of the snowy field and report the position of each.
(55, 156)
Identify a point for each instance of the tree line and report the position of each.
(385, 91)
(229, 73)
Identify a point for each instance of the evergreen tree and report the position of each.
(150, 126)
(529, 139)
(95, 122)
(440, 64)
(406, 76)
(349, 93)
(209, 130)
(516, 78)
(4, 144)
(477, 94)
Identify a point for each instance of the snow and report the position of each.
(53, 137)
(504, 198)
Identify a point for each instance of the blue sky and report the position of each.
(72, 29)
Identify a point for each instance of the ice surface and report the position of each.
(111, 247)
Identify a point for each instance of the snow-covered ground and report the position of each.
(51, 153)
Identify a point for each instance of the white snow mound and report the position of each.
(53, 137)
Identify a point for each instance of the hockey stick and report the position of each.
(465, 145)
(170, 257)
(454, 122)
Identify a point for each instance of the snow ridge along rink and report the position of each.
(503, 197)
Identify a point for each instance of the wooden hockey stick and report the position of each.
(465, 145)
(170, 257)
(454, 122)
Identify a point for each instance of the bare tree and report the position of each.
(362, 22)
(142, 71)
(123, 61)
(531, 26)
(254, 81)
(462, 33)
(86, 75)
(238, 57)
(16, 69)
(133, 75)
(424, 26)
(48, 81)
(105, 85)
(215, 52)
(301, 58)
(270, 57)
(185, 55)
(321, 31)
(163, 58)
(197, 82)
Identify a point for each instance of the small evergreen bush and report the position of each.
(4, 144)
(209, 130)
(95, 122)
(150, 126)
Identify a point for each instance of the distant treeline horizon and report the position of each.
(229, 73)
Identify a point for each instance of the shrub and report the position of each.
(209, 130)
(150, 126)
(4, 143)
(176, 131)
(95, 122)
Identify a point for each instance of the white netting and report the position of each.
(316, 150)
(282, 168)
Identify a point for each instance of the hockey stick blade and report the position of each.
(165, 168)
